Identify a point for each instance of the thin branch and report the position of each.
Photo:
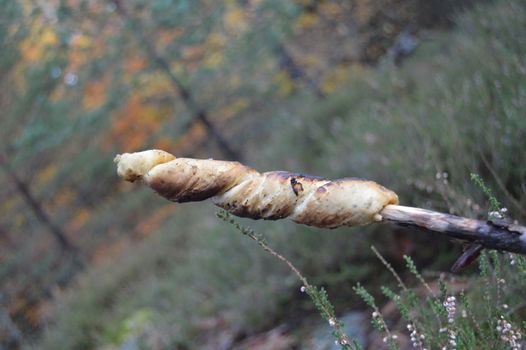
(38, 210)
(295, 71)
(496, 234)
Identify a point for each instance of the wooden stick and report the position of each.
(498, 234)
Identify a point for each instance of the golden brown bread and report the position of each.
(245, 192)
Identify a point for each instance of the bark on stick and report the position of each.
(498, 234)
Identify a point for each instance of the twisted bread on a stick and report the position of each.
(245, 192)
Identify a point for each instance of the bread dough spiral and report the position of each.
(243, 191)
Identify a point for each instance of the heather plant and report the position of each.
(472, 318)
(447, 318)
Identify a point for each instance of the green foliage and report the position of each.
(494, 204)
(457, 106)
(403, 307)
(377, 319)
(130, 327)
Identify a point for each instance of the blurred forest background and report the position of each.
(414, 94)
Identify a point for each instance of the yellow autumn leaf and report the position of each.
(309, 60)
(232, 109)
(153, 84)
(284, 83)
(48, 37)
(81, 41)
(234, 19)
(330, 9)
(34, 47)
(215, 41)
(213, 60)
(155, 114)
(335, 78)
(46, 174)
(305, 21)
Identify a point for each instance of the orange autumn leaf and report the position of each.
(62, 198)
(193, 136)
(166, 36)
(109, 250)
(135, 124)
(80, 218)
(164, 143)
(152, 223)
(95, 94)
(134, 64)
(35, 312)
(37, 45)
(193, 53)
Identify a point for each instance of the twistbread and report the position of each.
(245, 192)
